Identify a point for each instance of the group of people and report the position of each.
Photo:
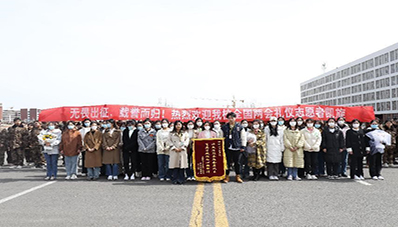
(294, 148)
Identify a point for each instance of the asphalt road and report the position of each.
(307, 203)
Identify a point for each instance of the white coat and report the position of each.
(275, 146)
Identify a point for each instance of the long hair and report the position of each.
(175, 128)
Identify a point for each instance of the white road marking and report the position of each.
(25, 192)
(363, 182)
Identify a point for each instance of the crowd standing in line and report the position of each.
(292, 148)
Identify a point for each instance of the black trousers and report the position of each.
(234, 157)
(148, 164)
(375, 164)
(311, 162)
(356, 166)
(272, 169)
(84, 169)
(332, 168)
(127, 159)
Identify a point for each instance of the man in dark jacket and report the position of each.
(130, 150)
(333, 146)
(235, 143)
(16, 135)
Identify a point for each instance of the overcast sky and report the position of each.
(72, 53)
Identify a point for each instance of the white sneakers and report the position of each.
(375, 178)
(126, 177)
(357, 178)
(74, 177)
(381, 178)
(361, 178)
(110, 177)
(145, 178)
(132, 177)
(161, 179)
(67, 178)
(297, 179)
(47, 178)
(273, 178)
(115, 178)
(309, 177)
(290, 177)
(168, 179)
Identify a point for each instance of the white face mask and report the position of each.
(165, 125)
(245, 125)
(299, 122)
(293, 123)
(216, 126)
(356, 125)
(310, 125)
(256, 126)
(331, 124)
(341, 122)
(207, 127)
(94, 127)
(199, 123)
(273, 123)
(190, 126)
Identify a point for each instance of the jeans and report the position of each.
(71, 165)
(344, 161)
(112, 169)
(292, 172)
(178, 176)
(93, 172)
(52, 167)
(163, 163)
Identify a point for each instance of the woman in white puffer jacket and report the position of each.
(275, 147)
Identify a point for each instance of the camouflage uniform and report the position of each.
(3, 145)
(16, 135)
(35, 149)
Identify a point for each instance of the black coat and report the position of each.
(130, 143)
(357, 141)
(332, 142)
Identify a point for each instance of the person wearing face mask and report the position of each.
(344, 128)
(244, 159)
(198, 125)
(378, 140)
(138, 165)
(178, 143)
(300, 123)
(293, 156)
(51, 149)
(357, 147)
(275, 148)
(262, 125)
(162, 150)
(332, 145)
(193, 134)
(111, 152)
(83, 131)
(147, 149)
(207, 133)
(235, 145)
(217, 129)
(389, 154)
(92, 145)
(256, 149)
(321, 159)
(171, 126)
(71, 146)
(312, 143)
(281, 123)
(130, 150)
(281, 126)
(158, 125)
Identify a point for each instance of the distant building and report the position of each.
(29, 115)
(1, 111)
(371, 81)
(9, 115)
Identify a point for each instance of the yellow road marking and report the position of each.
(219, 206)
(197, 209)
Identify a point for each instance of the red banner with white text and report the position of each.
(126, 112)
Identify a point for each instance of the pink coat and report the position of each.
(202, 135)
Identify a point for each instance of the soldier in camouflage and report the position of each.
(34, 145)
(16, 143)
(3, 145)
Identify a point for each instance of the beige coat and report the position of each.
(178, 159)
(93, 141)
(293, 159)
(111, 140)
(312, 139)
